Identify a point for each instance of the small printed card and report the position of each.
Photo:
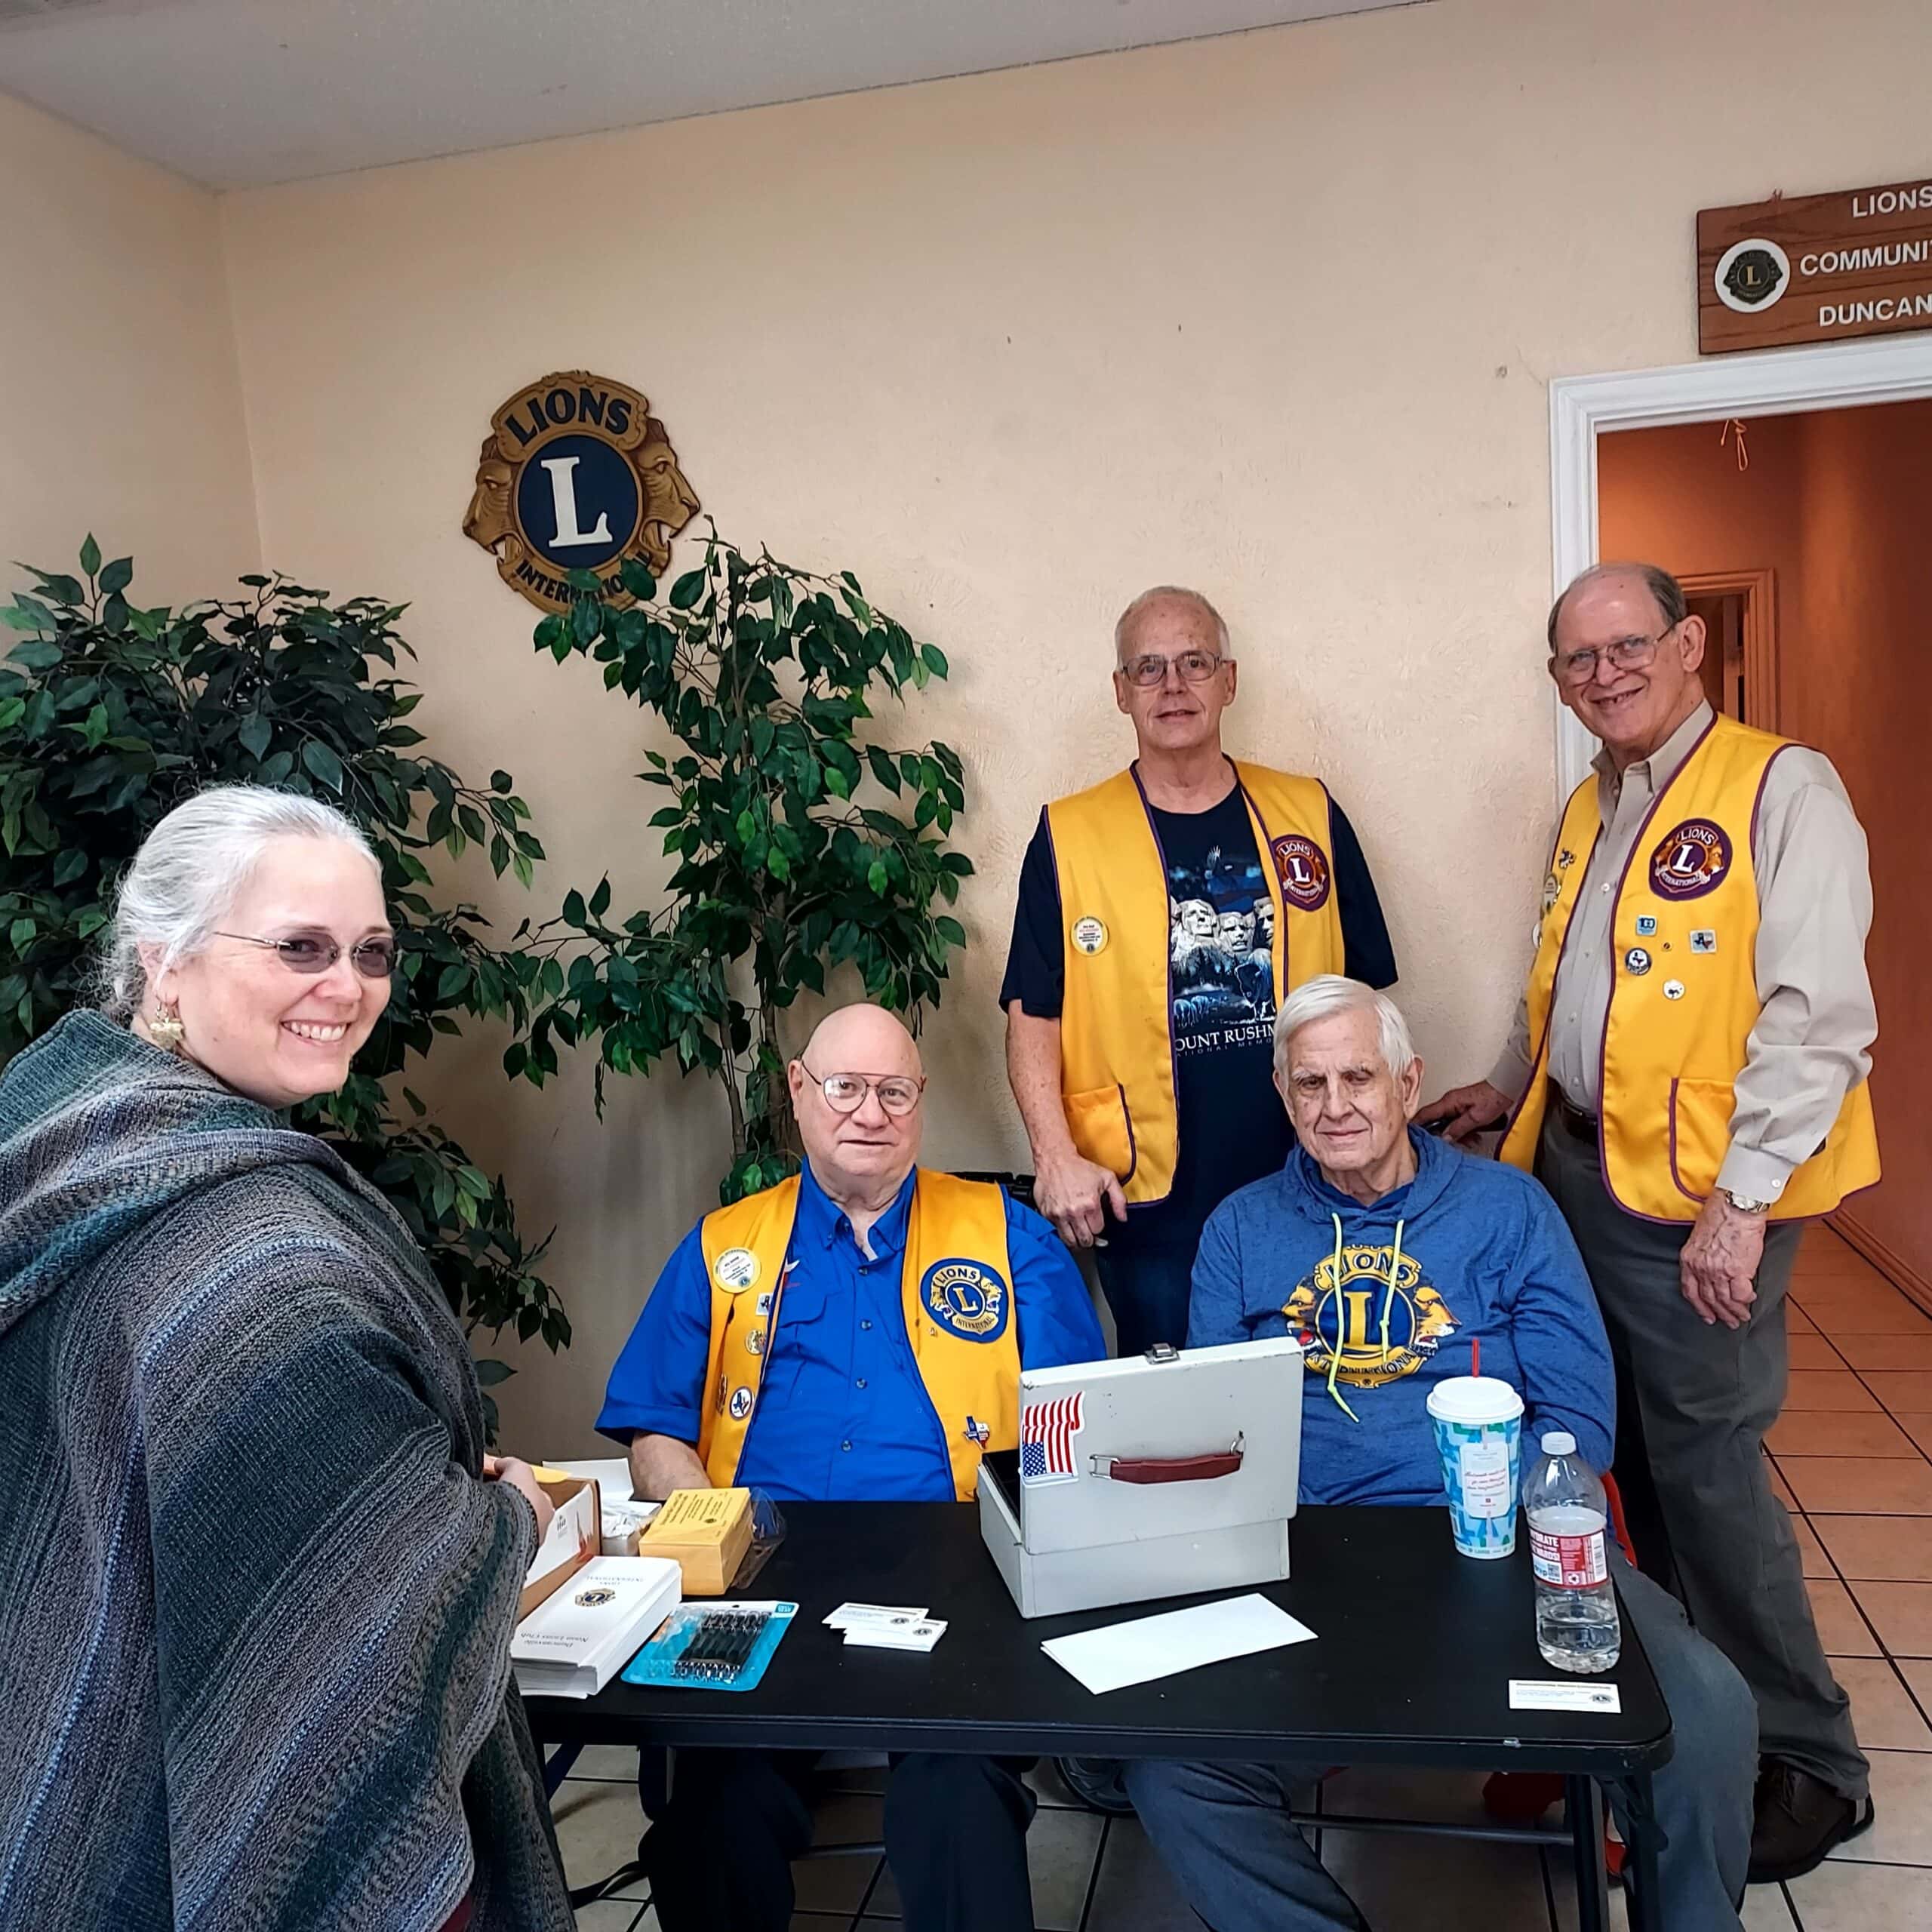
(1529, 1694)
(895, 1635)
(849, 1614)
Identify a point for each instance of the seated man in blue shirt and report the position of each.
(855, 1334)
(1388, 1254)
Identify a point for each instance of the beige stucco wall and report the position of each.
(120, 405)
(1274, 315)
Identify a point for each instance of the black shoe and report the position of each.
(1097, 1783)
(1800, 1820)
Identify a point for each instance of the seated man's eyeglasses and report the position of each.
(845, 1093)
(1622, 654)
(1195, 667)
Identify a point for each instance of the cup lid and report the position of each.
(1475, 1398)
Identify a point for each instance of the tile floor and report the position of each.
(1853, 1453)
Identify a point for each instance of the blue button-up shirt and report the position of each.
(842, 1414)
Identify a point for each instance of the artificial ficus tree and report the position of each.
(800, 848)
(111, 714)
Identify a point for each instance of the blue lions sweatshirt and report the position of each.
(1388, 1299)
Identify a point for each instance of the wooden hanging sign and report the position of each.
(1815, 268)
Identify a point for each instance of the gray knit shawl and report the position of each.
(255, 1606)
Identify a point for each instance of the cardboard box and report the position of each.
(575, 1535)
(706, 1532)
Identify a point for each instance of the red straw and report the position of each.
(1476, 1354)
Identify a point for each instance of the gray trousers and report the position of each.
(1694, 1403)
(1221, 1828)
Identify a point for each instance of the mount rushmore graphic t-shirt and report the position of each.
(1221, 985)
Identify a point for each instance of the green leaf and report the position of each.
(687, 590)
(501, 781)
(117, 575)
(883, 769)
(255, 734)
(490, 1372)
(875, 876)
(934, 659)
(574, 912)
(318, 757)
(90, 555)
(600, 900)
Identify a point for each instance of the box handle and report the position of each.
(1169, 1469)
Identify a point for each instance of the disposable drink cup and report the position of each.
(1479, 1430)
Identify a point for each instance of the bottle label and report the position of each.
(1571, 1563)
(1486, 1489)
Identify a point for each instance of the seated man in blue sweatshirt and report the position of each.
(1444, 1250)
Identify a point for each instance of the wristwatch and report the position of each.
(1743, 1203)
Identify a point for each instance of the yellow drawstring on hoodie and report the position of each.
(1388, 1302)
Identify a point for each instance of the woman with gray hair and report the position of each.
(257, 1578)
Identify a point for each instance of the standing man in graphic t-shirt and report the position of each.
(1161, 913)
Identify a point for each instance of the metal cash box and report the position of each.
(1161, 1475)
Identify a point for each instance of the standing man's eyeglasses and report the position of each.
(312, 952)
(1195, 667)
(1622, 654)
(845, 1093)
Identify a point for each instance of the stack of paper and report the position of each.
(573, 1644)
(884, 1626)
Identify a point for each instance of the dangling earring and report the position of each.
(166, 1030)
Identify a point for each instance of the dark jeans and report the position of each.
(719, 1854)
(1147, 1284)
(1692, 1404)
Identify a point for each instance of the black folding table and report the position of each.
(1415, 1650)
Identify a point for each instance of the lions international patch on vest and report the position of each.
(1303, 868)
(967, 1299)
(735, 1270)
(1090, 934)
(1690, 860)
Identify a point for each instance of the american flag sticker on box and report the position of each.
(1047, 1430)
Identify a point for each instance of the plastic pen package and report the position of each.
(719, 1646)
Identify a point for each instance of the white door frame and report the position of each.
(1773, 382)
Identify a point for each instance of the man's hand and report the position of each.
(1468, 1110)
(1074, 1193)
(1720, 1260)
(522, 1479)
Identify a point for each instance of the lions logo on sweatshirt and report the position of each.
(1382, 1330)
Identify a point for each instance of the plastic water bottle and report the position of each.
(1577, 1628)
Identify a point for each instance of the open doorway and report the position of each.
(1802, 540)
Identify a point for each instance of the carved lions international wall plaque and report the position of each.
(577, 474)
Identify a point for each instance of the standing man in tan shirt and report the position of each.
(1687, 1077)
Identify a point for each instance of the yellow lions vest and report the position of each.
(1117, 1059)
(956, 1289)
(1683, 995)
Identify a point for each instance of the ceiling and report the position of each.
(237, 94)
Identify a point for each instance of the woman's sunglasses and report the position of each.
(315, 952)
